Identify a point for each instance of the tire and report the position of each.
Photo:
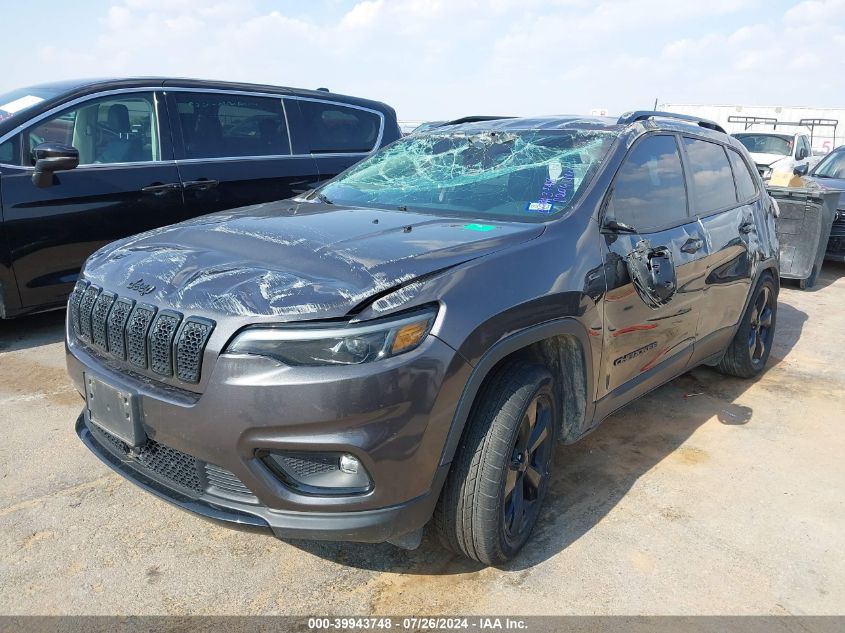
(499, 477)
(749, 351)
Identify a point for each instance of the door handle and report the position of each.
(692, 245)
(200, 185)
(161, 189)
(746, 227)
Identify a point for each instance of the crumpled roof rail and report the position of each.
(642, 115)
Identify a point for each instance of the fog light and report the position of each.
(349, 464)
(319, 473)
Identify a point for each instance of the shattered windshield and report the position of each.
(522, 175)
(766, 143)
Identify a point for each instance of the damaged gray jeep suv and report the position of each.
(413, 339)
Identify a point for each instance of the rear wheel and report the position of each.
(498, 480)
(748, 352)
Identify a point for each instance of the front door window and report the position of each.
(118, 129)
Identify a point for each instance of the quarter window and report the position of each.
(335, 128)
(649, 190)
(745, 187)
(712, 180)
(228, 126)
(112, 130)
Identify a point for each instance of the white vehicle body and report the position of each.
(773, 151)
(733, 118)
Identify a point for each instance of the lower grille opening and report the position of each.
(222, 480)
(161, 461)
(176, 468)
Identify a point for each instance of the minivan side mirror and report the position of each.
(801, 170)
(50, 158)
(802, 153)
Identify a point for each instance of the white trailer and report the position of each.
(826, 126)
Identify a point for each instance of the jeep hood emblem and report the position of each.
(141, 287)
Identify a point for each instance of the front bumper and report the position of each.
(368, 526)
(394, 415)
(836, 244)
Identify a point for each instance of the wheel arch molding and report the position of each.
(556, 344)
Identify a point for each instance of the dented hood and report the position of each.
(291, 260)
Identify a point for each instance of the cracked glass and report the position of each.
(508, 175)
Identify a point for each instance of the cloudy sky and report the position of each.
(434, 59)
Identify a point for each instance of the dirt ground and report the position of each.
(709, 496)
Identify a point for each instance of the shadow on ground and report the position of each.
(33, 330)
(830, 273)
(594, 474)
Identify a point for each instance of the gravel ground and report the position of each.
(709, 496)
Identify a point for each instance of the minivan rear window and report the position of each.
(229, 125)
(334, 128)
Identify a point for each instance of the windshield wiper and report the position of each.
(323, 198)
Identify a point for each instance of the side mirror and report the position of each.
(50, 158)
(801, 170)
(802, 153)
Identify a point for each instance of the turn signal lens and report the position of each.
(409, 336)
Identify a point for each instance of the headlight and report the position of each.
(352, 344)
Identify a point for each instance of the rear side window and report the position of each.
(712, 180)
(649, 191)
(228, 126)
(335, 128)
(745, 187)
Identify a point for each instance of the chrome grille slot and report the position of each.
(161, 336)
(73, 305)
(99, 319)
(136, 334)
(190, 347)
(117, 325)
(86, 305)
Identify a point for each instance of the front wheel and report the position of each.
(749, 351)
(498, 480)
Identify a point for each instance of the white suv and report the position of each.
(775, 151)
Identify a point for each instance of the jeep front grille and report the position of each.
(163, 342)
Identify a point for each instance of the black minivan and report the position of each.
(83, 163)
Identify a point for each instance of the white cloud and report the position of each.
(445, 58)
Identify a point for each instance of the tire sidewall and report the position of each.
(507, 546)
(765, 280)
